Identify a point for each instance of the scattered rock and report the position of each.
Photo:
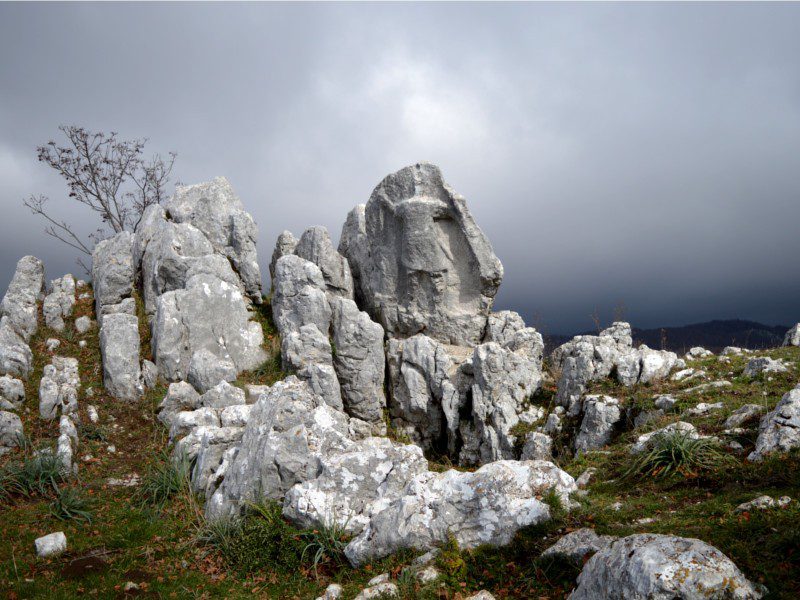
(131, 480)
(744, 415)
(83, 324)
(51, 344)
(779, 430)
(586, 477)
(51, 544)
(662, 567)
(733, 351)
(482, 595)
(91, 412)
(665, 402)
(12, 393)
(687, 374)
(703, 408)
(763, 364)
(704, 387)
(577, 546)
(698, 352)
(763, 503)
(334, 591)
(381, 590)
(58, 388)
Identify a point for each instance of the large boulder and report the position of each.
(315, 246)
(779, 430)
(20, 301)
(209, 314)
(662, 567)
(484, 507)
(119, 348)
(792, 337)
(59, 302)
(215, 209)
(601, 414)
(16, 358)
(299, 296)
(112, 270)
(421, 262)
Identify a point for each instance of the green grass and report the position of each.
(677, 454)
(71, 504)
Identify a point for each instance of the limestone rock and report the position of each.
(503, 326)
(59, 302)
(763, 364)
(792, 337)
(665, 402)
(11, 431)
(601, 415)
(127, 306)
(656, 364)
(19, 304)
(180, 396)
(58, 388)
(83, 324)
(646, 441)
(538, 446)
(315, 246)
(12, 393)
(16, 357)
(221, 396)
(662, 567)
(149, 374)
(185, 421)
(119, 347)
(206, 370)
(112, 270)
(307, 353)
(484, 507)
(284, 246)
(379, 591)
(354, 484)
(359, 360)
(779, 430)
(332, 592)
(697, 352)
(51, 544)
(762, 503)
(743, 415)
(703, 408)
(299, 296)
(578, 545)
(422, 263)
(216, 210)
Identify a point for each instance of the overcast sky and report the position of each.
(647, 154)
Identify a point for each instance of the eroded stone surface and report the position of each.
(779, 430)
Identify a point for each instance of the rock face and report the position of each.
(10, 431)
(601, 415)
(119, 347)
(421, 262)
(59, 302)
(112, 271)
(662, 567)
(779, 430)
(19, 305)
(792, 337)
(315, 246)
(299, 296)
(484, 507)
(284, 246)
(216, 210)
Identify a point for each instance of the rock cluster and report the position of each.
(792, 337)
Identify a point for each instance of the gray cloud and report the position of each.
(642, 153)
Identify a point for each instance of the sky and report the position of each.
(644, 156)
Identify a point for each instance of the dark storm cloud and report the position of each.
(634, 153)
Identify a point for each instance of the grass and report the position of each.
(679, 455)
(71, 504)
(165, 478)
(38, 474)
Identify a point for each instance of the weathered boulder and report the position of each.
(16, 357)
(354, 484)
(315, 246)
(503, 326)
(577, 546)
(19, 304)
(697, 352)
(209, 314)
(655, 364)
(215, 209)
(307, 353)
(290, 429)
(180, 396)
(744, 415)
(537, 446)
(662, 567)
(285, 245)
(119, 348)
(11, 431)
(646, 441)
(59, 302)
(299, 296)
(112, 270)
(779, 430)
(12, 393)
(484, 507)
(763, 364)
(183, 422)
(58, 388)
(221, 396)
(359, 360)
(422, 263)
(207, 369)
(601, 415)
(792, 337)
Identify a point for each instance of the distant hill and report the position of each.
(714, 335)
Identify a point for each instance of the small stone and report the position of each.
(131, 586)
(703, 409)
(745, 414)
(427, 575)
(83, 324)
(617, 506)
(382, 590)
(332, 592)
(82, 344)
(131, 480)
(586, 477)
(91, 412)
(482, 595)
(665, 402)
(51, 544)
(111, 449)
(51, 344)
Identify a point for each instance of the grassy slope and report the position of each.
(129, 540)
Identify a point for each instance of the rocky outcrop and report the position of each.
(119, 348)
(58, 388)
(285, 245)
(484, 507)
(601, 415)
(20, 304)
(315, 246)
(779, 430)
(216, 210)
(792, 337)
(59, 302)
(307, 353)
(299, 296)
(421, 262)
(662, 567)
(112, 271)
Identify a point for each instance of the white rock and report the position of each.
(646, 441)
(83, 324)
(52, 343)
(601, 416)
(382, 590)
(763, 364)
(792, 337)
(51, 544)
(779, 430)
(578, 545)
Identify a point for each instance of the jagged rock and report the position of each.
(578, 545)
(353, 245)
(127, 306)
(51, 544)
(307, 353)
(656, 364)
(91, 412)
(211, 315)
(504, 380)
(299, 297)
(11, 431)
(58, 388)
(149, 374)
(484, 507)
(792, 337)
(354, 484)
(538, 446)
(67, 445)
(180, 396)
(16, 357)
(253, 392)
(779, 430)
(19, 304)
(315, 246)
(284, 246)
(378, 591)
(601, 414)
(112, 270)
(59, 302)
(646, 441)
(215, 209)
(183, 422)
(763, 503)
(503, 326)
(552, 425)
(763, 364)
(697, 352)
(703, 408)
(662, 567)
(206, 370)
(359, 360)
(190, 446)
(743, 415)
(221, 395)
(12, 393)
(686, 374)
(422, 263)
(235, 415)
(83, 324)
(290, 429)
(424, 400)
(119, 347)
